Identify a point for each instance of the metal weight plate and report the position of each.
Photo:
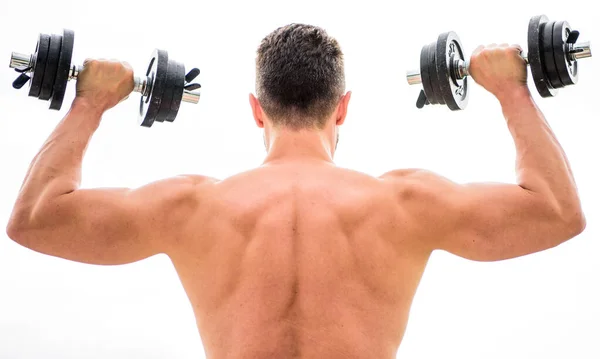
(157, 71)
(62, 73)
(177, 92)
(535, 56)
(453, 91)
(548, 62)
(167, 96)
(40, 57)
(426, 59)
(51, 67)
(567, 69)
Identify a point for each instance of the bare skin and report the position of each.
(299, 258)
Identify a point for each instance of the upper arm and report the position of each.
(112, 226)
(480, 221)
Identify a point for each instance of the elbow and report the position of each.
(17, 231)
(27, 225)
(575, 223)
(569, 221)
(20, 226)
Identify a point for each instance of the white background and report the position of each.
(540, 306)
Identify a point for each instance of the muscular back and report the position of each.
(300, 260)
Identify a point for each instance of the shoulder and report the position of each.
(175, 190)
(194, 180)
(416, 178)
(425, 187)
(186, 182)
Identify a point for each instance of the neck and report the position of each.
(288, 145)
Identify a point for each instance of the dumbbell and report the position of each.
(552, 55)
(163, 86)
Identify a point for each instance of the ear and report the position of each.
(342, 110)
(257, 111)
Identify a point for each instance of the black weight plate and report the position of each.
(567, 69)
(157, 71)
(51, 67)
(425, 82)
(434, 98)
(40, 56)
(177, 92)
(535, 56)
(145, 99)
(167, 96)
(434, 77)
(547, 32)
(453, 91)
(62, 73)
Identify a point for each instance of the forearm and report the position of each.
(56, 169)
(541, 164)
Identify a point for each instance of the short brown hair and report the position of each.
(299, 76)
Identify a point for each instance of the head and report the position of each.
(300, 81)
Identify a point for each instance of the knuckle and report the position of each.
(92, 63)
(487, 53)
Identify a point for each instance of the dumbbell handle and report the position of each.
(141, 84)
(579, 51)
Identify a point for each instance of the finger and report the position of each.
(127, 65)
(517, 47)
(124, 98)
(504, 45)
(479, 49)
(492, 46)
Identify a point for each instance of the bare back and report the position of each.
(300, 261)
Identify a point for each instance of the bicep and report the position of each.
(98, 226)
(480, 221)
(110, 226)
(489, 222)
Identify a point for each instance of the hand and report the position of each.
(499, 69)
(103, 84)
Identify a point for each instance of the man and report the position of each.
(299, 258)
